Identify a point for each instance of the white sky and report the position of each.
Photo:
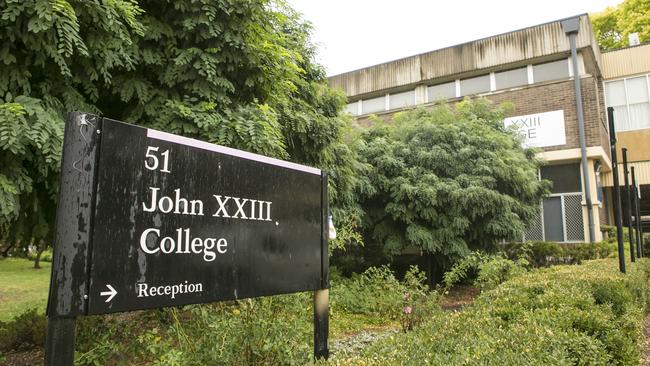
(353, 34)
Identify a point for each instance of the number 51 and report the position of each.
(153, 159)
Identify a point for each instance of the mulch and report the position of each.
(23, 358)
(459, 297)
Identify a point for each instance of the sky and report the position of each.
(353, 34)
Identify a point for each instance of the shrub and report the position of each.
(419, 302)
(375, 291)
(25, 331)
(544, 253)
(564, 315)
(268, 330)
(378, 292)
(490, 270)
(608, 231)
(46, 256)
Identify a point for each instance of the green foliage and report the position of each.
(239, 74)
(378, 292)
(375, 291)
(544, 253)
(25, 331)
(46, 256)
(264, 331)
(419, 301)
(447, 180)
(608, 230)
(564, 315)
(347, 234)
(489, 270)
(50, 67)
(613, 25)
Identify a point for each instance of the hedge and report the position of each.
(564, 315)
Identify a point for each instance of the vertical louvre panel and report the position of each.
(573, 217)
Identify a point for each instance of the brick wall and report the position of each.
(560, 95)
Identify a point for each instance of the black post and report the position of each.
(638, 208)
(59, 348)
(321, 296)
(618, 213)
(637, 216)
(628, 204)
(69, 281)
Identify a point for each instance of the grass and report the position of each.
(22, 286)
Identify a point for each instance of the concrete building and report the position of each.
(532, 68)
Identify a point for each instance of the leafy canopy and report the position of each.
(234, 72)
(446, 180)
(613, 25)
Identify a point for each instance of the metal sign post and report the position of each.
(637, 215)
(618, 213)
(321, 297)
(148, 219)
(628, 204)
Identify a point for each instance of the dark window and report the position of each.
(553, 226)
(565, 177)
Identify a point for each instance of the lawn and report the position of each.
(22, 286)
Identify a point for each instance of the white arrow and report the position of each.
(111, 294)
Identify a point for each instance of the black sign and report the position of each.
(175, 221)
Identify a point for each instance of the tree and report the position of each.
(448, 180)
(613, 25)
(48, 68)
(236, 73)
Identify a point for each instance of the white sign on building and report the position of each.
(539, 129)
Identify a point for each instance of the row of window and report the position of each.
(631, 102)
(530, 74)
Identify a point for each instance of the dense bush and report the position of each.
(378, 292)
(270, 330)
(263, 331)
(545, 253)
(486, 271)
(564, 315)
(237, 73)
(608, 232)
(46, 256)
(447, 180)
(25, 331)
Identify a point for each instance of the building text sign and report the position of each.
(539, 129)
(176, 221)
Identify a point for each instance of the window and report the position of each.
(511, 78)
(615, 97)
(565, 177)
(401, 100)
(638, 106)
(353, 108)
(480, 84)
(631, 102)
(373, 105)
(551, 71)
(441, 91)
